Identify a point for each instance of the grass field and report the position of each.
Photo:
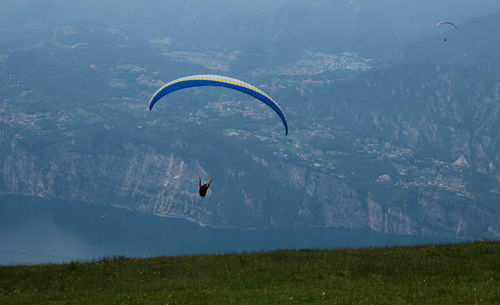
(432, 274)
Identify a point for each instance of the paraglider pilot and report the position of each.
(204, 188)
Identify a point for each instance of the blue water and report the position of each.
(34, 230)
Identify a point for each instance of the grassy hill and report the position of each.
(432, 274)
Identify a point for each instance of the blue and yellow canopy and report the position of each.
(217, 80)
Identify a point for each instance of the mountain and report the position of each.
(405, 145)
(284, 27)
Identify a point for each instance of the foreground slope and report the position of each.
(432, 274)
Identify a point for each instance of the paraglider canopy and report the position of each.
(221, 81)
(445, 22)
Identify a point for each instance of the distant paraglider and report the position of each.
(443, 23)
(221, 81)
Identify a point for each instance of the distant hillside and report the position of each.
(431, 274)
(401, 146)
(272, 30)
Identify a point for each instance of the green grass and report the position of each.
(431, 274)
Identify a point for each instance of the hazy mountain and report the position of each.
(407, 145)
(285, 27)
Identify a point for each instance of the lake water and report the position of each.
(34, 230)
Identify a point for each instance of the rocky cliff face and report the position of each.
(142, 179)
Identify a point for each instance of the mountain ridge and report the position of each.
(355, 158)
